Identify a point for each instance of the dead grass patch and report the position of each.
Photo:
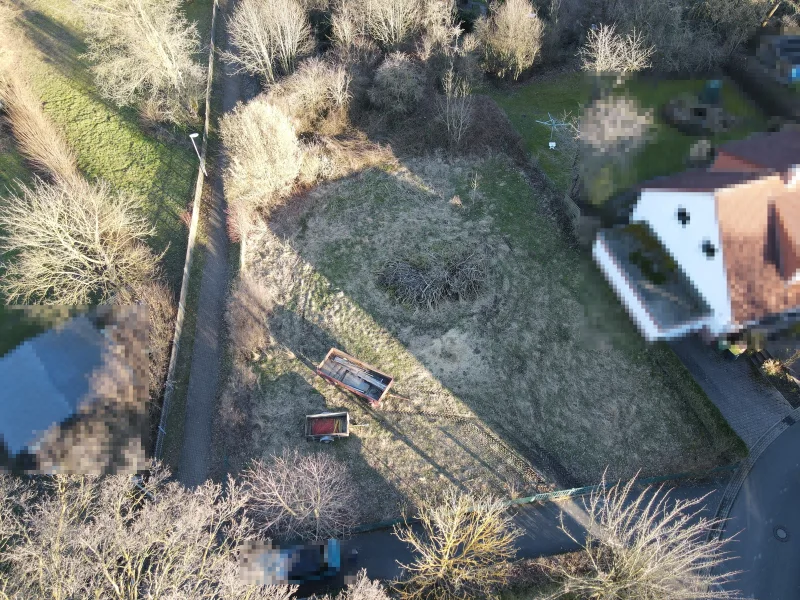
(540, 373)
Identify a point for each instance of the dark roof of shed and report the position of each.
(699, 180)
(777, 150)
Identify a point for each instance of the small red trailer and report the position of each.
(325, 427)
(355, 376)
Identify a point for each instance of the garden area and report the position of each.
(665, 150)
(532, 377)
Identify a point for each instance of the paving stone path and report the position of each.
(750, 405)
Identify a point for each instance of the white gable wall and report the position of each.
(659, 208)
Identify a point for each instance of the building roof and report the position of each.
(699, 180)
(777, 151)
(45, 379)
(750, 247)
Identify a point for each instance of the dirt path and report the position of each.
(209, 335)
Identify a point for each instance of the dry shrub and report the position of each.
(362, 589)
(425, 280)
(317, 94)
(74, 243)
(399, 85)
(249, 308)
(143, 50)
(301, 496)
(454, 108)
(680, 42)
(440, 29)
(772, 367)
(39, 141)
(334, 158)
(462, 545)
(647, 545)
(391, 22)
(270, 35)
(606, 51)
(511, 37)
(264, 154)
(161, 312)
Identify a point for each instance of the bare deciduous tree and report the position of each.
(296, 495)
(647, 545)
(399, 84)
(121, 538)
(264, 154)
(74, 243)
(455, 106)
(39, 141)
(143, 52)
(511, 37)
(682, 41)
(606, 51)
(270, 35)
(391, 22)
(463, 550)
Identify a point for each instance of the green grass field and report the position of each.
(664, 154)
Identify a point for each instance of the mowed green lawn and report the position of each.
(665, 153)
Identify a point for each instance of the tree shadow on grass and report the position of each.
(58, 44)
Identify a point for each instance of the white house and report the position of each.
(713, 250)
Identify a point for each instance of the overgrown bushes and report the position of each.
(264, 153)
(318, 90)
(143, 54)
(399, 85)
(511, 37)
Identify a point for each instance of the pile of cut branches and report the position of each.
(426, 279)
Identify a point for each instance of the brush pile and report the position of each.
(424, 280)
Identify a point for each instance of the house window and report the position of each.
(683, 216)
(709, 249)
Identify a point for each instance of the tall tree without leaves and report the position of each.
(647, 545)
(76, 243)
(271, 37)
(463, 547)
(143, 54)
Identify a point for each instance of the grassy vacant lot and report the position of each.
(668, 148)
(110, 143)
(542, 372)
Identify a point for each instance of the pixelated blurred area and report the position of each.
(315, 568)
(74, 390)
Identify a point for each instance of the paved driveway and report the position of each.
(750, 405)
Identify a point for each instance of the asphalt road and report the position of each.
(380, 552)
(769, 499)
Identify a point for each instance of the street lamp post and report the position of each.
(193, 136)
